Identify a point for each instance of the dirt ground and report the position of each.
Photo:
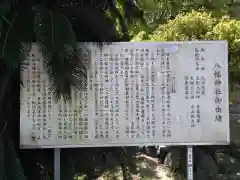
(148, 169)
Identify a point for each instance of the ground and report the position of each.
(148, 169)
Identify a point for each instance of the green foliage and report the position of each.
(161, 11)
(188, 26)
(229, 29)
(198, 25)
(142, 35)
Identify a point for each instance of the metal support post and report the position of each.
(57, 164)
(189, 163)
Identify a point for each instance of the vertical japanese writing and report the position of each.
(218, 92)
(133, 93)
(60, 124)
(44, 111)
(70, 122)
(186, 87)
(199, 59)
(169, 134)
(96, 68)
(93, 89)
(49, 102)
(198, 113)
(203, 81)
(65, 123)
(198, 87)
(36, 103)
(101, 96)
(126, 63)
(152, 98)
(148, 92)
(138, 112)
(75, 111)
(165, 94)
(42, 101)
(81, 125)
(98, 95)
(33, 77)
(112, 76)
(163, 114)
(137, 97)
(28, 111)
(192, 87)
(193, 116)
(116, 98)
(107, 107)
(168, 102)
(127, 95)
(142, 94)
(84, 110)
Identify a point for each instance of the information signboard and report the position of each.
(145, 93)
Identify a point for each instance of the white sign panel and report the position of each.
(173, 93)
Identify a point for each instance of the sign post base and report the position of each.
(57, 164)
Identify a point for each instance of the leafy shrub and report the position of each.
(189, 26)
(229, 29)
(198, 25)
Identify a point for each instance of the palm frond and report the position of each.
(55, 36)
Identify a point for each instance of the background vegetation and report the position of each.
(57, 24)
